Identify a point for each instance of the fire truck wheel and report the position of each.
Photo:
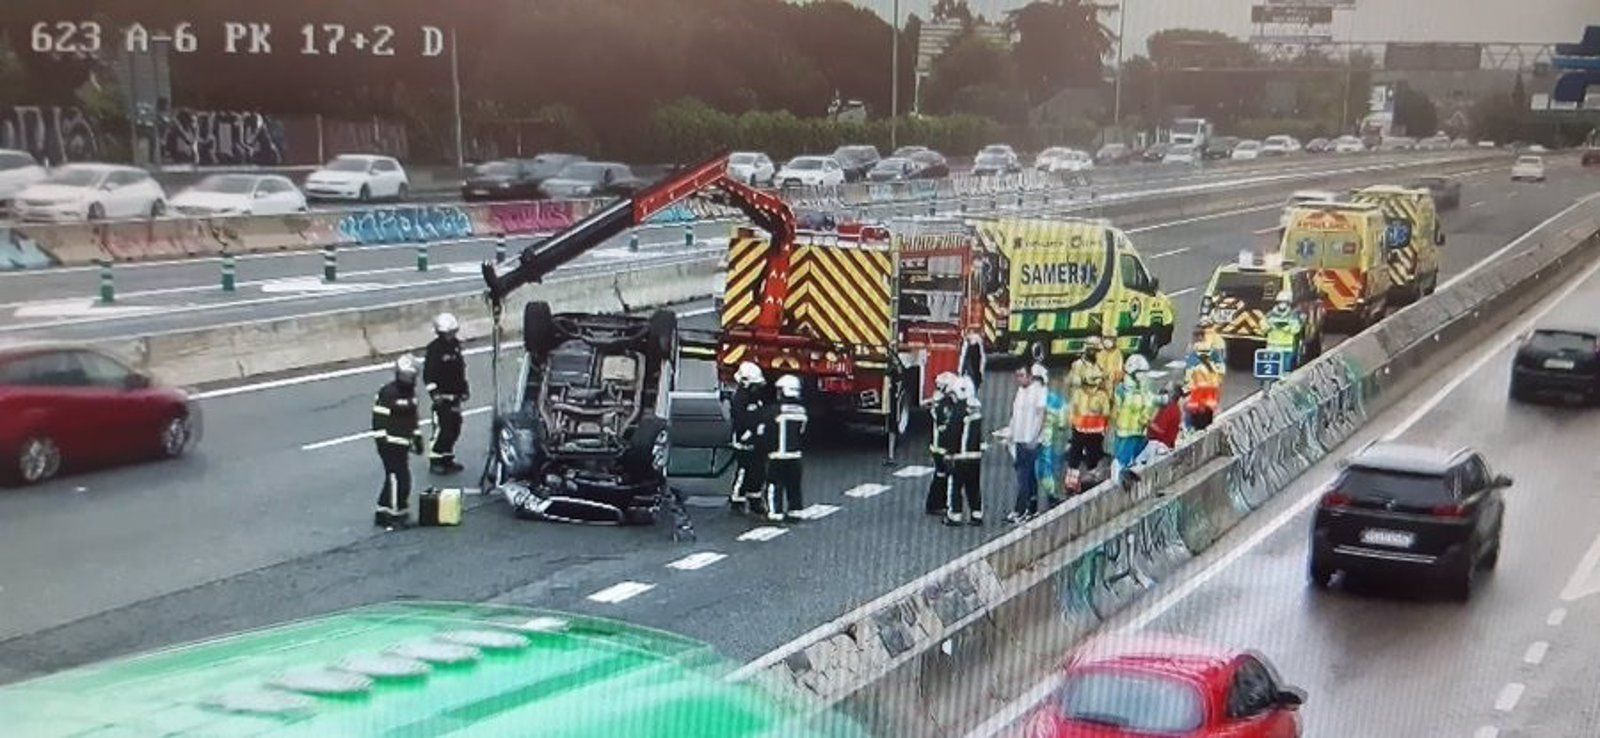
(538, 329)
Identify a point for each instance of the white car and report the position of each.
(751, 167)
(1301, 197)
(1063, 159)
(240, 194)
(359, 177)
(91, 192)
(18, 169)
(810, 171)
(1181, 154)
(1246, 150)
(1348, 145)
(1529, 168)
(1280, 145)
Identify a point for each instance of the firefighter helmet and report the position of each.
(446, 323)
(405, 369)
(748, 374)
(788, 386)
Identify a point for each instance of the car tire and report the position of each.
(176, 435)
(663, 335)
(1320, 575)
(1491, 559)
(37, 459)
(649, 448)
(96, 212)
(158, 208)
(1459, 587)
(539, 333)
(402, 193)
(365, 195)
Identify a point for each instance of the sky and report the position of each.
(1527, 21)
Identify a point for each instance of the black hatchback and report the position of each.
(1557, 362)
(1413, 512)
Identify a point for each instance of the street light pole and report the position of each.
(894, 79)
(1122, 26)
(455, 84)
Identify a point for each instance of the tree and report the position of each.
(1178, 48)
(971, 61)
(945, 11)
(1415, 112)
(1206, 72)
(1060, 43)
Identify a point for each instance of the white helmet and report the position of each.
(1040, 373)
(405, 368)
(788, 386)
(446, 323)
(749, 374)
(1284, 300)
(944, 384)
(1136, 364)
(965, 391)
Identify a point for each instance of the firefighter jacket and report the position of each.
(967, 429)
(783, 429)
(444, 370)
(746, 416)
(944, 427)
(394, 415)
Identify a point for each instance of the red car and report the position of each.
(69, 406)
(1145, 686)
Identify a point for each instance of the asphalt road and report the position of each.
(270, 518)
(1392, 658)
(61, 304)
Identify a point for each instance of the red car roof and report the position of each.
(1155, 653)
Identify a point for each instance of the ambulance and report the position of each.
(1053, 284)
(1342, 245)
(1240, 294)
(1412, 236)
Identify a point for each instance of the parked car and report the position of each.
(72, 407)
(930, 164)
(996, 159)
(1218, 148)
(1318, 146)
(905, 152)
(1155, 152)
(1280, 146)
(1398, 510)
(1063, 159)
(91, 192)
(592, 179)
(1182, 154)
(1113, 153)
(514, 179)
(811, 171)
(240, 194)
(1591, 156)
(1446, 191)
(362, 177)
(1246, 150)
(892, 169)
(1348, 145)
(1557, 362)
(1141, 686)
(751, 167)
(1397, 143)
(1436, 142)
(18, 169)
(1528, 169)
(856, 161)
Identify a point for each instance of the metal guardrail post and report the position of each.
(107, 290)
(500, 248)
(228, 273)
(688, 235)
(422, 256)
(633, 241)
(330, 263)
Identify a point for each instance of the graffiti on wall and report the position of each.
(210, 137)
(19, 251)
(52, 133)
(532, 217)
(405, 223)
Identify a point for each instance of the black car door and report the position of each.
(1473, 478)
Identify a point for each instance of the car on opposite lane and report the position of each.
(592, 179)
(810, 171)
(856, 161)
(1147, 685)
(361, 177)
(1557, 362)
(1246, 150)
(1183, 153)
(514, 179)
(78, 192)
(1063, 159)
(996, 159)
(1446, 191)
(1280, 146)
(18, 169)
(930, 164)
(1347, 145)
(1219, 148)
(1319, 145)
(1155, 152)
(1113, 153)
(751, 167)
(240, 194)
(892, 169)
(73, 407)
(1528, 169)
(1397, 509)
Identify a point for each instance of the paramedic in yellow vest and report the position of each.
(1089, 409)
(1208, 340)
(1080, 363)
(1202, 381)
(1132, 409)
(1110, 361)
(1283, 331)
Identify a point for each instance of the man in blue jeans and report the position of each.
(1026, 431)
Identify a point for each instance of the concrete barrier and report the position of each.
(20, 251)
(920, 661)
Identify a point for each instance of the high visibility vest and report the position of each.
(1282, 332)
(1090, 405)
(1110, 363)
(1212, 345)
(1132, 412)
(1205, 386)
(1075, 374)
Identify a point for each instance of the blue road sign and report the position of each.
(1269, 364)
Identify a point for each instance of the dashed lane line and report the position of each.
(763, 533)
(1556, 617)
(1509, 695)
(816, 511)
(914, 471)
(697, 561)
(621, 592)
(1536, 652)
(865, 491)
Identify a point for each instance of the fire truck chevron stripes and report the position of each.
(840, 293)
(747, 259)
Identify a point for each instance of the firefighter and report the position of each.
(444, 371)
(1283, 330)
(746, 412)
(973, 359)
(943, 411)
(1089, 408)
(1110, 361)
(396, 431)
(1133, 408)
(966, 460)
(783, 436)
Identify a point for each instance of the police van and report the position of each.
(1412, 236)
(1240, 294)
(1342, 245)
(1055, 283)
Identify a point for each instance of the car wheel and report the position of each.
(538, 330)
(1460, 586)
(402, 192)
(175, 437)
(158, 208)
(96, 211)
(38, 459)
(366, 194)
(1319, 574)
(663, 335)
(1492, 558)
(649, 449)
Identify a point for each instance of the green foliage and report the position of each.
(970, 62)
(688, 129)
(1414, 112)
(1060, 44)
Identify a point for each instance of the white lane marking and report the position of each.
(1512, 195)
(1181, 292)
(912, 472)
(78, 308)
(369, 434)
(1477, 204)
(620, 592)
(1487, 731)
(1202, 577)
(1556, 617)
(764, 533)
(863, 491)
(696, 561)
(816, 511)
(697, 312)
(1536, 652)
(299, 285)
(1508, 697)
(1583, 581)
(1173, 252)
(1203, 218)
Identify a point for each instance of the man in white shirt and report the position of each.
(1026, 430)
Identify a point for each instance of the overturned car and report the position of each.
(587, 436)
